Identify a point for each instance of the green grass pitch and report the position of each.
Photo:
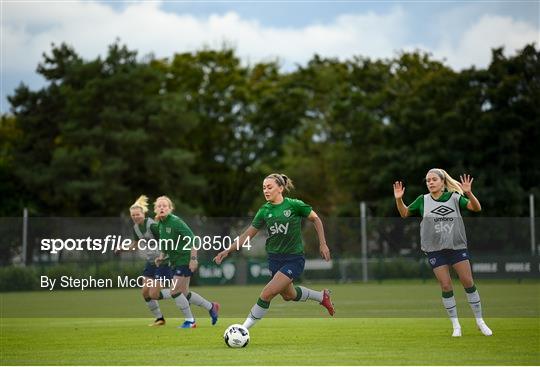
(393, 323)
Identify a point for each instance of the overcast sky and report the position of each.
(460, 33)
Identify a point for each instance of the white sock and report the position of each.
(183, 305)
(257, 312)
(450, 305)
(303, 294)
(198, 300)
(153, 306)
(166, 293)
(476, 306)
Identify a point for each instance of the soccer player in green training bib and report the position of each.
(282, 217)
(443, 239)
(182, 261)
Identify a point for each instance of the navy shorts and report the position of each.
(154, 272)
(182, 271)
(290, 265)
(446, 257)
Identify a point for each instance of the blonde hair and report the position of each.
(282, 180)
(141, 203)
(450, 184)
(171, 205)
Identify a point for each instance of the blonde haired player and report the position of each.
(443, 238)
(145, 229)
(183, 262)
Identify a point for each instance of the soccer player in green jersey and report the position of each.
(443, 239)
(183, 261)
(145, 229)
(283, 219)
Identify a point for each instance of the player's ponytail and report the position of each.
(450, 184)
(288, 183)
(141, 203)
(282, 180)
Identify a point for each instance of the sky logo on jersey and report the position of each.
(442, 210)
(443, 228)
(277, 228)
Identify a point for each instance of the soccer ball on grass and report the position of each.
(236, 336)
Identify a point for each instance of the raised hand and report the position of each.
(399, 190)
(466, 183)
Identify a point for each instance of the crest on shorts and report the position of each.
(287, 213)
(432, 261)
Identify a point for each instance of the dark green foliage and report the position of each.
(205, 130)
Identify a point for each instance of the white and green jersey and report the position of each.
(147, 231)
(284, 225)
(442, 225)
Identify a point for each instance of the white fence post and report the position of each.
(364, 241)
(533, 234)
(25, 236)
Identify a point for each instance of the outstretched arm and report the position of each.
(248, 234)
(323, 247)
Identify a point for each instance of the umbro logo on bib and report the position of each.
(442, 210)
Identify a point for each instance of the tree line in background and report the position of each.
(205, 130)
